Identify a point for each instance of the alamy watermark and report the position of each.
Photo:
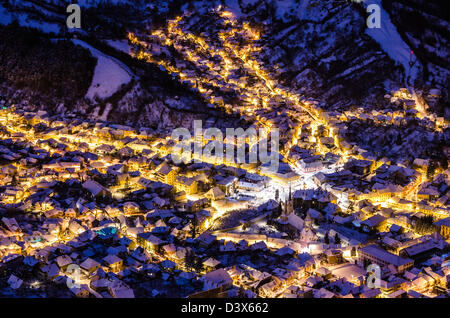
(73, 281)
(373, 21)
(209, 145)
(74, 19)
(374, 276)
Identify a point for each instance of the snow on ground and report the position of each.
(120, 45)
(110, 74)
(7, 17)
(391, 42)
(105, 113)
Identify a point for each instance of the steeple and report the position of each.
(308, 221)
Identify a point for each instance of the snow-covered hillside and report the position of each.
(320, 49)
(392, 43)
(110, 74)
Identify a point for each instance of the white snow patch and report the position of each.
(120, 45)
(391, 42)
(110, 74)
(106, 111)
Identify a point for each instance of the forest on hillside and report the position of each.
(57, 68)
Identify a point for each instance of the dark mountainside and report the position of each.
(320, 50)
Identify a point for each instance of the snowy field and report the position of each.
(110, 74)
(120, 45)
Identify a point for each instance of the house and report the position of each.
(11, 194)
(295, 222)
(145, 182)
(334, 256)
(283, 175)
(90, 265)
(197, 205)
(205, 239)
(119, 289)
(215, 194)
(350, 272)
(170, 250)
(63, 261)
(324, 293)
(421, 164)
(421, 284)
(105, 149)
(371, 293)
(100, 284)
(323, 272)
(374, 223)
(227, 185)
(360, 167)
(80, 292)
(11, 224)
(14, 282)
(217, 279)
(269, 289)
(164, 173)
(131, 207)
(249, 186)
(374, 254)
(96, 189)
(53, 213)
(314, 214)
(414, 294)
(70, 213)
(422, 251)
(444, 227)
(126, 152)
(428, 194)
(51, 270)
(188, 185)
(148, 241)
(310, 164)
(113, 262)
(211, 264)
(75, 227)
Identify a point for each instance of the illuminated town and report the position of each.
(93, 204)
